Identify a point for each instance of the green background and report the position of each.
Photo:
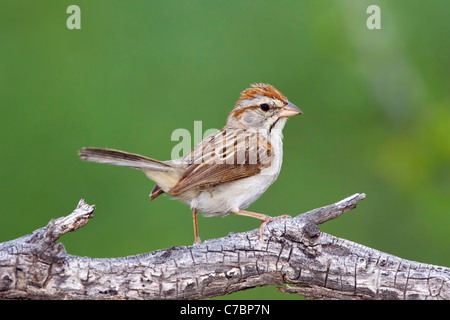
(376, 116)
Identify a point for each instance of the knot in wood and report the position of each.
(310, 229)
(301, 230)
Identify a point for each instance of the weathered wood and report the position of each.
(297, 256)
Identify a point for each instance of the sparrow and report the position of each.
(228, 170)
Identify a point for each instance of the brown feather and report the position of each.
(209, 168)
(263, 89)
(156, 192)
(121, 158)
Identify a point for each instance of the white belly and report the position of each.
(232, 196)
(240, 194)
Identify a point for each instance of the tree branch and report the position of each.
(296, 256)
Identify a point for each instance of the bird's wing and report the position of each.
(225, 156)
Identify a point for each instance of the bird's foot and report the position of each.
(266, 220)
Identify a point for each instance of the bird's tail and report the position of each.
(122, 158)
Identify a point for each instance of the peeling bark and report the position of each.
(296, 256)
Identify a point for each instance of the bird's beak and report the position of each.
(289, 110)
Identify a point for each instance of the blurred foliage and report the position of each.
(375, 102)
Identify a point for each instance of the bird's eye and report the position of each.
(264, 107)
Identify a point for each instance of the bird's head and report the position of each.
(261, 107)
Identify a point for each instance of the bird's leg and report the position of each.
(197, 238)
(263, 217)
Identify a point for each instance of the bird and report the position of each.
(228, 170)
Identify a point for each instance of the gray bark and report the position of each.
(296, 256)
